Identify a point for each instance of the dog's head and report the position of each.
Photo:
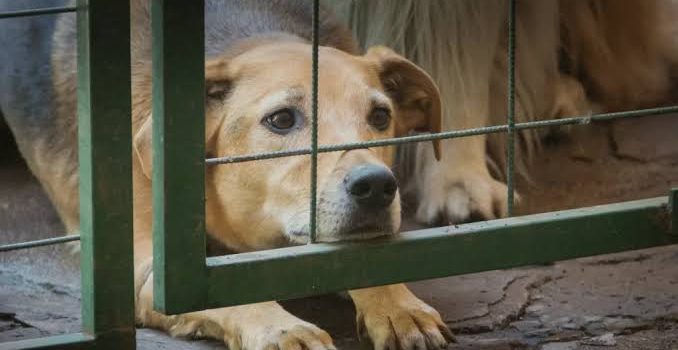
(259, 100)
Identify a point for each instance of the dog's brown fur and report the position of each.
(260, 205)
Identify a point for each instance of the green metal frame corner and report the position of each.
(185, 280)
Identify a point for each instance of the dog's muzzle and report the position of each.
(363, 206)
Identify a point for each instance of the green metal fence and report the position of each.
(293, 272)
(185, 279)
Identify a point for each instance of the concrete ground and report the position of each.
(622, 301)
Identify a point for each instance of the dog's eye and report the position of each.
(282, 121)
(380, 118)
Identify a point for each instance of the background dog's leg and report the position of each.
(463, 45)
(623, 49)
(396, 319)
(459, 186)
(455, 41)
(247, 327)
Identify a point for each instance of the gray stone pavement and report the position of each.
(622, 301)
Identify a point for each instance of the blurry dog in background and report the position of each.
(574, 57)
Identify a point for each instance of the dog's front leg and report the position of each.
(396, 319)
(262, 326)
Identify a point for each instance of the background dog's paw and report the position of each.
(416, 326)
(297, 335)
(467, 196)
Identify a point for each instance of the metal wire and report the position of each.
(314, 122)
(39, 243)
(511, 132)
(578, 120)
(37, 12)
(510, 128)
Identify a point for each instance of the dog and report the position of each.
(573, 58)
(258, 92)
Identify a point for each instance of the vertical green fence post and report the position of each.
(104, 102)
(178, 156)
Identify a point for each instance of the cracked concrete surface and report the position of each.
(623, 301)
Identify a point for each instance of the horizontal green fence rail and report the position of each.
(112, 339)
(75, 341)
(499, 244)
(535, 239)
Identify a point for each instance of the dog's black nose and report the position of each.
(371, 186)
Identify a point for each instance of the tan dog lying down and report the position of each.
(257, 100)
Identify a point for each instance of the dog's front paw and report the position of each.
(278, 331)
(265, 326)
(401, 322)
(457, 196)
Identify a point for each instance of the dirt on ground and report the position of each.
(622, 301)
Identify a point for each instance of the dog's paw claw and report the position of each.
(303, 336)
(418, 327)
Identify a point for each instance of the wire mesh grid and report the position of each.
(510, 128)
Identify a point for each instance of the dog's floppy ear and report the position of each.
(412, 89)
(217, 86)
(218, 78)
